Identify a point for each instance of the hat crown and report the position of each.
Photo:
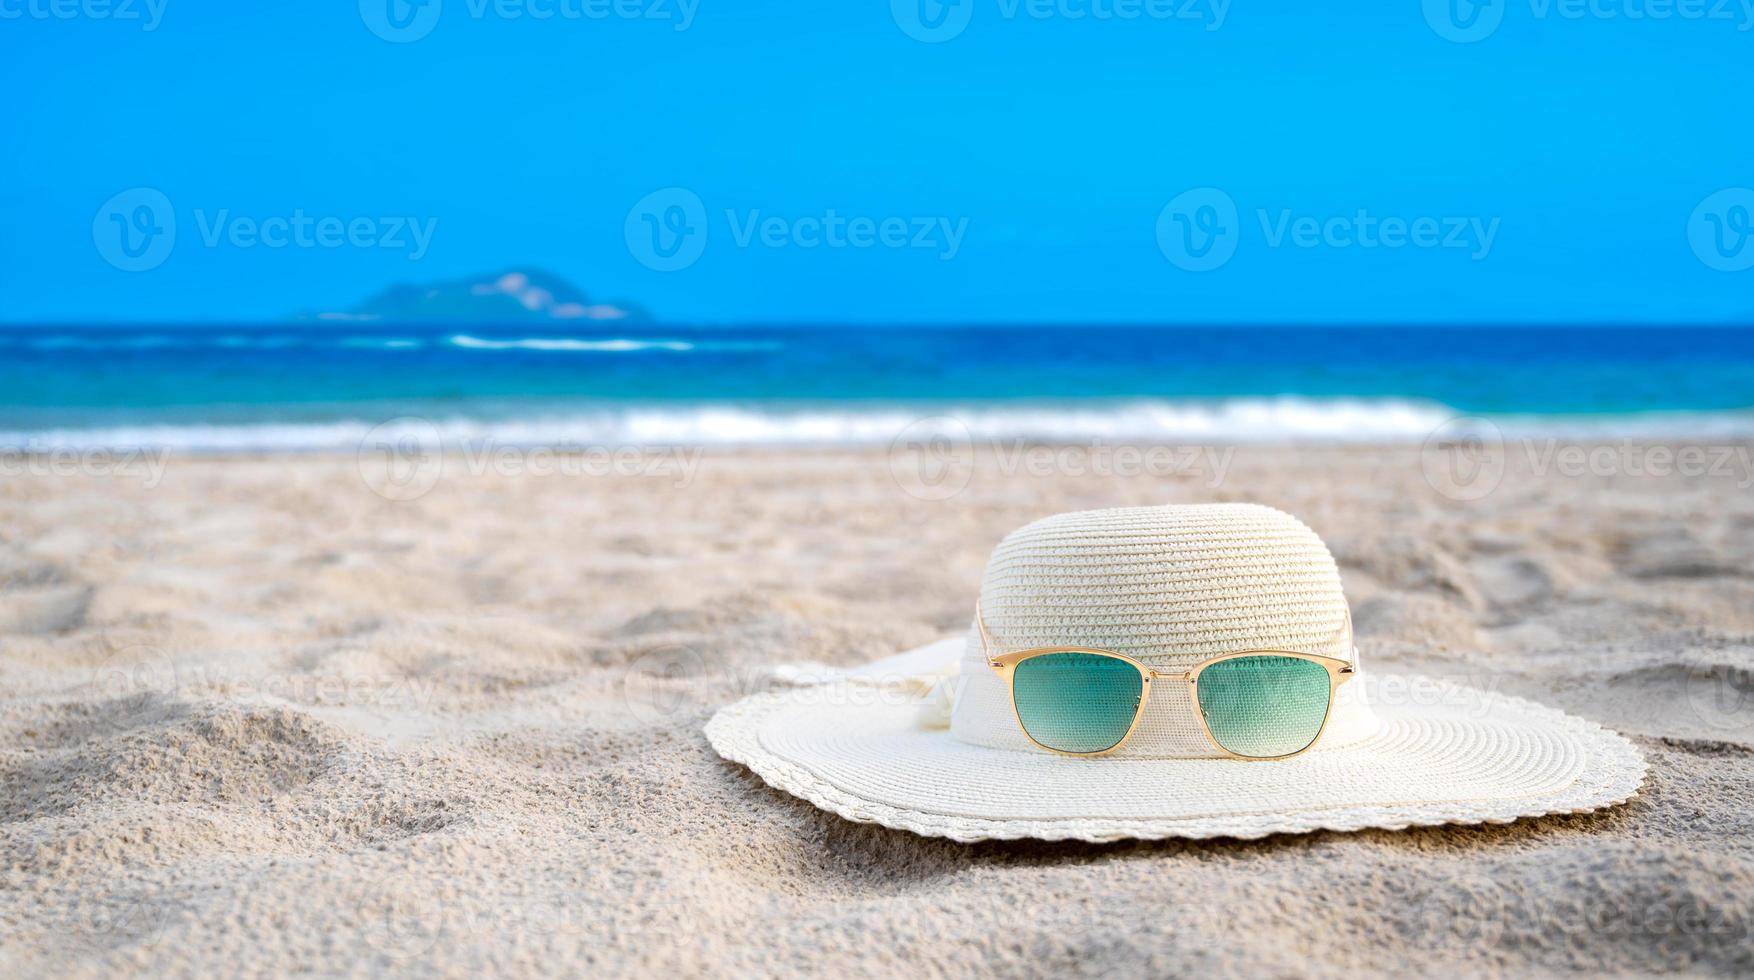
(1168, 586)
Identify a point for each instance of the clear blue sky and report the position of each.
(1055, 142)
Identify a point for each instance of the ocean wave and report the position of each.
(567, 344)
(462, 341)
(163, 342)
(382, 343)
(247, 342)
(609, 344)
(89, 343)
(1219, 421)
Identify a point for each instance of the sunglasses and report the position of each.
(1254, 705)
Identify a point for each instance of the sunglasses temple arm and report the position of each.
(1351, 650)
(981, 625)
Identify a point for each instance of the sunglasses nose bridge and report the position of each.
(1184, 675)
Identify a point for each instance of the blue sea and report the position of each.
(320, 386)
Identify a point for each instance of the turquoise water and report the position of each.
(308, 386)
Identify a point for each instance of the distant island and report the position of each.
(513, 296)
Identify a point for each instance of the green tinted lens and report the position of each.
(1266, 706)
(1076, 702)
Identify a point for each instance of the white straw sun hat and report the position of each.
(1169, 587)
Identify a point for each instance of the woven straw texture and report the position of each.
(1169, 586)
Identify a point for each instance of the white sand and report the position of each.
(260, 719)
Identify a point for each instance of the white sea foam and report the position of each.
(568, 344)
(382, 343)
(606, 345)
(461, 341)
(1144, 422)
(93, 343)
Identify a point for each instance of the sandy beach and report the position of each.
(258, 716)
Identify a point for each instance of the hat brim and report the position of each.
(1464, 756)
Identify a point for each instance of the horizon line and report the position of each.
(794, 324)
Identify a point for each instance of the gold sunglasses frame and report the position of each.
(1005, 665)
